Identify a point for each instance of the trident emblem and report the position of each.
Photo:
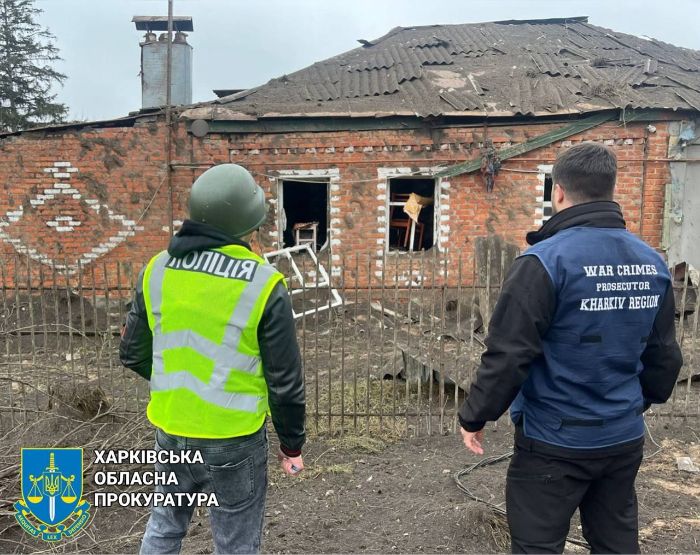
(52, 507)
(52, 478)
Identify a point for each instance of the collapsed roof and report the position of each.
(508, 68)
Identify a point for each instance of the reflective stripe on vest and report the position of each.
(226, 356)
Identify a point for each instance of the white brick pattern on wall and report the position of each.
(61, 223)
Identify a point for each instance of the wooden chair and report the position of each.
(403, 224)
(306, 233)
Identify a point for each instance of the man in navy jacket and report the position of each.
(581, 343)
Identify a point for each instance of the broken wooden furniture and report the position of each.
(396, 220)
(409, 204)
(305, 233)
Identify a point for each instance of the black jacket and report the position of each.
(523, 315)
(279, 349)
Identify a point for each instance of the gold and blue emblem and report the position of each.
(52, 487)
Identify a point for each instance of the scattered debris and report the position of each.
(490, 164)
(687, 464)
(299, 282)
(684, 289)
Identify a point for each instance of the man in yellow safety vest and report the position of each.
(211, 328)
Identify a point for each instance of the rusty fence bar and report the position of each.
(395, 357)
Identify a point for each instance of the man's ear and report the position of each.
(558, 194)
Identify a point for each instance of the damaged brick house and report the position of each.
(462, 122)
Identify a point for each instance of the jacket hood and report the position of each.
(600, 213)
(196, 236)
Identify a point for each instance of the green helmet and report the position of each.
(227, 197)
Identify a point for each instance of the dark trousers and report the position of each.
(543, 490)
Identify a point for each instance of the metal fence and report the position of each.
(394, 357)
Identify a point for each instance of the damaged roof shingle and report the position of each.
(533, 67)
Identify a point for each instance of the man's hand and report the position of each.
(290, 465)
(472, 441)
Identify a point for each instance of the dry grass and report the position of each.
(312, 471)
(373, 397)
(681, 525)
(490, 525)
(363, 444)
(665, 460)
(675, 487)
(342, 468)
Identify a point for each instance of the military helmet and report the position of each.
(227, 198)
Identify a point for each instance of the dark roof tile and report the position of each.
(533, 67)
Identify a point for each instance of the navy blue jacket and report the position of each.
(582, 337)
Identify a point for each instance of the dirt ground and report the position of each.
(368, 495)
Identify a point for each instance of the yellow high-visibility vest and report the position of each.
(204, 310)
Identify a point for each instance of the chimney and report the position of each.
(154, 61)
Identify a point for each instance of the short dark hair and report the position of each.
(587, 172)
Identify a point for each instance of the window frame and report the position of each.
(424, 174)
(330, 177)
(544, 171)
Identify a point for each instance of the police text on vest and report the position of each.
(215, 264)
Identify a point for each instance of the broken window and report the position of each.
(411, 214)
(304, 217)
(547, 198)
(302, 280)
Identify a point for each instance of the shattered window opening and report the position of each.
(547, 198)
(304, 213)
(411, 213)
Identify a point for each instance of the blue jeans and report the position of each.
(235, 470)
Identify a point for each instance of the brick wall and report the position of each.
(93, 197)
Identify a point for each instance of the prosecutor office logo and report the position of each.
(52, 486)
